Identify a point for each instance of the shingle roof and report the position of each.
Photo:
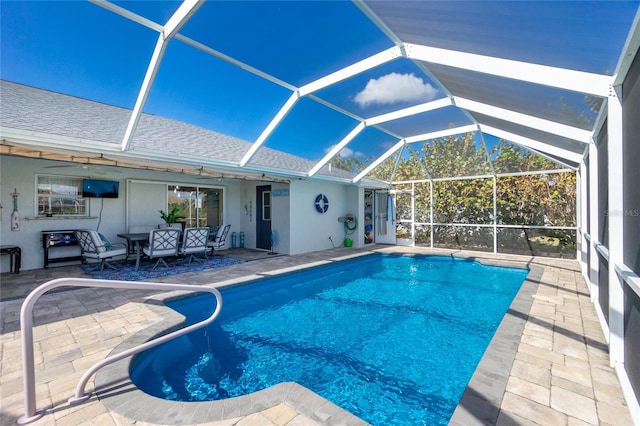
(31, 109)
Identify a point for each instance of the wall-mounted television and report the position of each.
(92, 188)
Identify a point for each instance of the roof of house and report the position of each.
(88, 125)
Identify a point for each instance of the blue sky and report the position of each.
(81, 49)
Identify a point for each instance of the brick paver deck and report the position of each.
(558, 372)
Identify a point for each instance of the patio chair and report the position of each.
(214, 233)
(162, 243)
(219, 241)
(194, 242)
(137, 229)
(95, 246)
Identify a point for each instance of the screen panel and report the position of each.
(558, 243)
(603, 187)
(562, 106)
(630, 169)
(631, 340)
(463, 237)
(603, 286)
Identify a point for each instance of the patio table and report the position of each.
(15, 259)
(137, 238)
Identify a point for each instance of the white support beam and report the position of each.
(186, 10)
(495, 213)
(487, 153)
(377, 21)
(431, 215)
(336, 108)
(149, 77)
(179, 18)
(378, 161)
(615, 216)
(443, 133)
(217, 54)
(533, 144)
(629, 51)
(353, 69)
(582, 188)
(548, 126)
(352, 115)
(416, 156)
(568, 164)
(395, 166)
(594, 225)
(336, 149)
(188, 41)
(601, 118)
(127, 14)
(578, 81)
(406, 112)
(275, 122)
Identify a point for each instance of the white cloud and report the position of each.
(393, 88)
(345, 152)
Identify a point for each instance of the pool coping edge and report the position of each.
(482, 398)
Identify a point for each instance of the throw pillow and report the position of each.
(105, 242)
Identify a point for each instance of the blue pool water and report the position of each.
(392, 339)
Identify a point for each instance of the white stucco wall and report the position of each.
(279, 214)
(297, 226)
(310, 230)
(247, 220)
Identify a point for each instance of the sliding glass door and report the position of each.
(199, 206)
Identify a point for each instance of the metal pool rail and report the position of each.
(26, 325)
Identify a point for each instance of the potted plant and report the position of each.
(171, 217)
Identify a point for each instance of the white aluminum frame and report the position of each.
(495, 225)
(615, 215)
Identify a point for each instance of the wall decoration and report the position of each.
(322, 203)
(15, 216)
(248, 209)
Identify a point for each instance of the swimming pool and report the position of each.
(392, 339)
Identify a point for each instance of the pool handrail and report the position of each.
(26, 325)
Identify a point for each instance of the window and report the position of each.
(266, 205)
(60, 196)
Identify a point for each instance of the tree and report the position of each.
(454, 156)
(510, 158)
(534, 199)
(350, 164)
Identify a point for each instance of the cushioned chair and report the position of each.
(214, 233)
(137, 229)
(95, 246)
(194, 242)
(162, 243)
(219, 240)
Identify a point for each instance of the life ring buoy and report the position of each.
(322, 203)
